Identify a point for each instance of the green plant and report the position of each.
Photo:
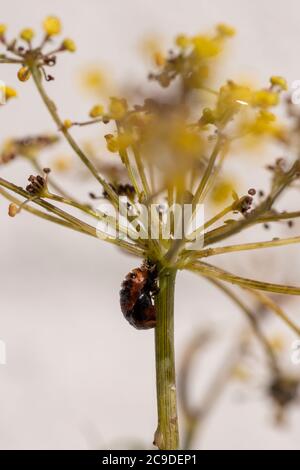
(173, 149)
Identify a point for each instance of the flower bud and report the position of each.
(52, 26)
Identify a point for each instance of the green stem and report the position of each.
(50, 105)
(167, 434)
(211, 271)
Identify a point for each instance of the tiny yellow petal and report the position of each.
(69, 45)
(62, 163)
(159, 59)
(208, 116)
(111, 142)
(279, 81)
(52, 25)
(182, 41)
(265, 98)
(27, 34)
(96, 111)
(24, 74)
(223, 191)
(225, 30)
(13, 210)
(205, 46)
(67, 123)
(117, 108)
(3, 29)
(10, 93)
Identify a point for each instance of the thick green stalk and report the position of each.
(167, 435)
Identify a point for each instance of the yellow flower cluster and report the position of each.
(266, 123)
(232, 97)
(193, 62)
(117, 110)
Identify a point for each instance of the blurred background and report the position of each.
(77, 375)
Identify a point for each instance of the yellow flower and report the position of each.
(265, 98)
(222, 191)
(3, 29)
(118, 143)
(62, 163)
(67, 123)
(277, 343)
(182, 41)
(69, 45)
(205, 46)
(52, 25)
(24, 74)
(27, 34)
(95, 79)
(231, 97)
(159, 59)
(280, 82)
(208, 116)
(225, 30)
(150, 45)
(186, 142)
(265, 124)
(96, 111)
(13, 210)
(10, 93)
(118, 108)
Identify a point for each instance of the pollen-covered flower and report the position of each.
(96, 111)
(119, 142)
(67, 123)
(280, 82)
(182, 41)
(265, 98)
(222, 192)
(266, 124)
(52, 25)
(117, 108)
(225, 30)
(205, 46)
(231, 98)
(193, 63)
(10, 93)
(27, 34)
(3, 29)
(68, 45)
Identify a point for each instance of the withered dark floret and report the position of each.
(123, 190)
(38, 184)
(243, 205)
(284, 390)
